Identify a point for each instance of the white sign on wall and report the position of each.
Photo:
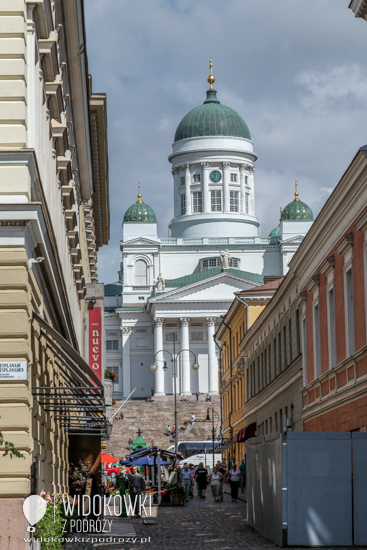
(13, 370)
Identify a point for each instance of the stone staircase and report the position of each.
(153, 418)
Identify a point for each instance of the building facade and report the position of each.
(54, 215)
(179, 287)
(304, 359)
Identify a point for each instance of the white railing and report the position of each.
(141, 287)
(220, 240)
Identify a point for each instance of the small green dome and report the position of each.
(275, 232)
(212, 119)
(140, 213)
(297, 211)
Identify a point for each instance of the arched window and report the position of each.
(140, 273)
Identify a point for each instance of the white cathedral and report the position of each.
(173, 291)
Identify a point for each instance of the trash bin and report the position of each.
(121, 484)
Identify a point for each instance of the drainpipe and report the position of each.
(220, 386)
(247, 306)
(230, 363)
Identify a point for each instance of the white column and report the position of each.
(176, 198)
(185, 355)
(187, 188)
(251, 170)
(158, 347)
(226, 178)
(126, 370)
(212, 359)
(243, 188)
(206, 192)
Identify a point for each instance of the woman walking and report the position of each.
(234, 478)
(215, 481)
(201, 478)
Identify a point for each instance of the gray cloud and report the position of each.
(294, 70)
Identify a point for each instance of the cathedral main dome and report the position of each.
(212, 119)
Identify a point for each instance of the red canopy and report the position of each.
(108, 458)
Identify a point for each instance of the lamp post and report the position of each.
(174, 357)
(213, 432)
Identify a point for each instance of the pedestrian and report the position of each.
(168, 430)
(152, 391)
(197, 393)
(208, 398)
(191, 467)
(151, 399)
(215, 480)
(137, 487)
(202, 479)
(192, 419)
(234, 478)
(222, 470)
(130, 443)
(183, 397)
(186, 477)
(243, 473)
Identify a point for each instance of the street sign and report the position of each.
(13, 370)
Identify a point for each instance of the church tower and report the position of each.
(213, 166)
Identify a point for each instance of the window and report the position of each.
(266, 427)
(262, 370)
(211, 262)
(280, 351)
(271, 425)
(196, 178)
(276, 421)
(298, 333)
(316, 314)
(281, 420)
(234, 178)
(246, 203)
(265, 368)
(116, 385)
(258, 375)
(332, 333)
(246, 180)
(290, 340)
(182, 180)
(233, 201)
(269, 356)
(247, 384)
(140, 273)
(350, 312)
(197, 201)
(275, 357)
(285, 346)
(112, 344)
(183, 205)
(304, 352)
(216, 201)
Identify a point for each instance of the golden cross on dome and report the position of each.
(211, 78)
(296, 193)
(139, 194)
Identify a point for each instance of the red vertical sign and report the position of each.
(95, 341)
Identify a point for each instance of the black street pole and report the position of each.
(174, 365)
(213, 433)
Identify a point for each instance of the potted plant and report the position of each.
(177, 494)
(111, 375)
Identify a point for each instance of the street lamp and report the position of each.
(174, 357)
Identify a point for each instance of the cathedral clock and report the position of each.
(215, 176)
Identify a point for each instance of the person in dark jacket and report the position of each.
(136, 488)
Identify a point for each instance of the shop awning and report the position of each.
(77, 403)
(246, 433)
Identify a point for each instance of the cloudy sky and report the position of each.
(295, 70)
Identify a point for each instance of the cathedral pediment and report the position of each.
(220, 288)
(139, 242)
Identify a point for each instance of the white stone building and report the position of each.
(177, 288)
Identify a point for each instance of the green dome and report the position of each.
(297, 211)
(212, 119)
(140, 213)
(275, 232)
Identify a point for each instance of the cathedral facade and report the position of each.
(171, 292)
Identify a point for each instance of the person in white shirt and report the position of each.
(234, 478)
(215, 482)
(186, 477)
(192, 419)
